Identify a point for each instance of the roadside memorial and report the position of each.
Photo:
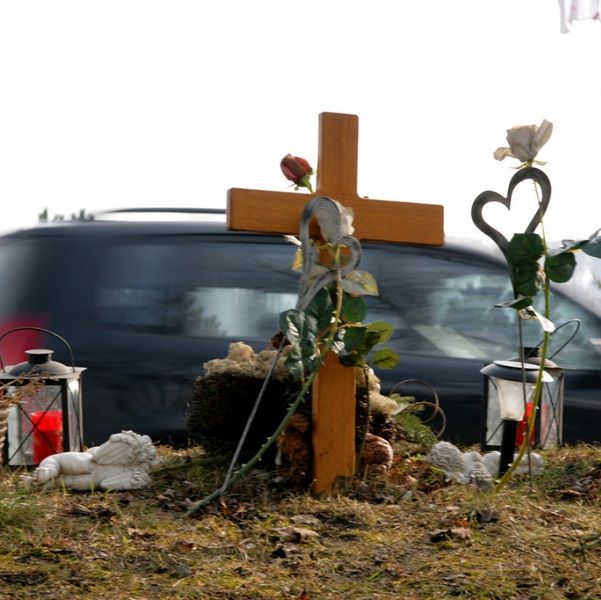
(333, 391)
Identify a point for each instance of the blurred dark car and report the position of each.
(145, 304)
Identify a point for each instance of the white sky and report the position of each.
(126, 103)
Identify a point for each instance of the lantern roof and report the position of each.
(513, 370)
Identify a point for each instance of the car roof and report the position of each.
(194, 221)
(191, 222)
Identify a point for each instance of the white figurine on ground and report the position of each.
(472, 467)
(121, 463)
(449, 458)
(492, 459)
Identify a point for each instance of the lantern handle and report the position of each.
(30, 328)
(578, 324)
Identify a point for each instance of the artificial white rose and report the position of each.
(525, 141)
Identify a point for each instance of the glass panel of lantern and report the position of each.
(549, 419)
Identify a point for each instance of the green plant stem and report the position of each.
(523, 361)
(327, 345)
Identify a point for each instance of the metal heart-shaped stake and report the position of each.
(484, 198)
(329, 212)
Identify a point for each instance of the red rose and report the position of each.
(297, 170)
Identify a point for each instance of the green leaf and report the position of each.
(573, 245)
(375, 333)
(301, 331)
(354, 309)
(525, 248)
(385, 358)
(517, 304)
(321, 309)
(353, 359)
(294, 366)
(297, 325)
(523, 254)
(593, 246)
(383, 329)
(294, 360)
(560, 267)
(290, 324)
(353, 338)
(371, 339)
(526, 280)
(309, 343)
(360, 283)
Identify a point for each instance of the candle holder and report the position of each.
(548, 420)
(45, 416)
(508, 389)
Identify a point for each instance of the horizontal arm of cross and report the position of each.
(376, 220)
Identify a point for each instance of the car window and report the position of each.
(196, 288)
(134, 289)
(440, 302)
(235, 290)
(444, 303)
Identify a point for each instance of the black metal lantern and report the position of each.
(46, 414)
(507, 405)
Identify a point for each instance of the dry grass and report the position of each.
(409, 535)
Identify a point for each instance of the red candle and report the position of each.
(523, 427)
(47, 434)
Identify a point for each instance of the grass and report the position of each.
(408, 535)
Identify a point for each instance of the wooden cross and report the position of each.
(333, 393)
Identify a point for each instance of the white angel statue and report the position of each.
(121, 463)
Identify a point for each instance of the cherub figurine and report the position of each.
(121, 463)
(471, 467)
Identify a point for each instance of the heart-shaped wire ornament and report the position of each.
(329, 212)
(484, 198)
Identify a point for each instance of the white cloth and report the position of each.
(577, 10)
